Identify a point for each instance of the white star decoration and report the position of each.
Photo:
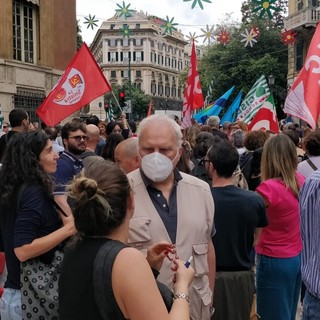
(192, 37)
(159, 35)
(207, 34)
(249, 37)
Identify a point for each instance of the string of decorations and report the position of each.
(249, 36)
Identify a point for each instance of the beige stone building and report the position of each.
(303, 15)
(38, 40)
(151, 60)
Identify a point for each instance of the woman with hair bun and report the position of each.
(103, 278)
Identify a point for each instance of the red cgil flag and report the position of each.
(81, 82)
(303, 100)
(193, 97)
(266, 117)
(150, 109)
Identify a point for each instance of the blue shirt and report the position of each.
(68, 166)
(310, 232)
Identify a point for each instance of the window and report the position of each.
(125, 74)
(112, 42)
(137, 25)
(29, 101)
(299, 4)
(153, 88)
(112, 56)
(24, 26)
(138, 42)
(160, 89)
(113, 74)
(139, 56)
(125, 42)
(138, 74)
(299, 56)
(151, 43)
(112, 26)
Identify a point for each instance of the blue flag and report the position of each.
(216, 108)
(232, 112)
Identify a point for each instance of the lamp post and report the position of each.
(130, 94)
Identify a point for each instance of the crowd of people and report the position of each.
(114, 220)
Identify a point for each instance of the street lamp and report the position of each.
(271, 80)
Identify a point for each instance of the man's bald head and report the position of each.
(127, 155)
(93, 133)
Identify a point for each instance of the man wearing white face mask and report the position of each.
(175, 207)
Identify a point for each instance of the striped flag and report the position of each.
(209, 93)
(110, 112)
(253, 100)
(149, 109)
(266, 117)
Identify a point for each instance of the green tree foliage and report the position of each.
(140, 101)
(235, 64)
(277, 16)
(79, 36)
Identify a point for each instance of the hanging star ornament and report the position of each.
(169, 26)
(288, 37)
(124, 10)
(248, 38)
(223, 37)
(91, 21)
(265, 6)
(255, 32)
(159, 35)
(207, 34)
(192, 37)
(125, 31)
(197, 1)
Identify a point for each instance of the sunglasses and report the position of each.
(79, 138)
(5, 126)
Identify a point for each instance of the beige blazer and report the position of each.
(194, 228)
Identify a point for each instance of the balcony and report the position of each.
(307, 17)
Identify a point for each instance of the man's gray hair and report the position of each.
(176, 129)
(213, 122)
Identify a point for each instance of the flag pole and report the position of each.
(117, 102)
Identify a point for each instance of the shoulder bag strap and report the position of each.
(102, 285)
(311, 164)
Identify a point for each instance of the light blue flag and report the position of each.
(231, 113)
(216, 108)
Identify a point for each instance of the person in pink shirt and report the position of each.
(279, 246)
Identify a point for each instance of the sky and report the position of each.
(189, 20)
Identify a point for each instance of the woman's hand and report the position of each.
(158, 252)
(183, 276)
(68, 224)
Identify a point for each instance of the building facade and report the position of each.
(38, 40)
(148, 58)
(303, 15)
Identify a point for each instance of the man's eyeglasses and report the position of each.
(79, 138)
(5, 126)
(204, 161)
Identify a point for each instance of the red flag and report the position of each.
(193, 97)
(81, 82)
(150, 109)
(266, 117)
(303, 100)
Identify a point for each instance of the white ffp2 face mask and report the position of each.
(157, 166)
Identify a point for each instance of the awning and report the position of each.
(34, 1)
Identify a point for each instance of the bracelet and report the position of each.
(181, 295)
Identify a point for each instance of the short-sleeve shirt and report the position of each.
(68, 166)
(281, 238)
(238, 213)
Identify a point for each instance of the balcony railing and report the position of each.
(306, 17)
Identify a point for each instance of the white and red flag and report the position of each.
(193, 97)
(266, 117)
(303, 100)
(81, 82)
